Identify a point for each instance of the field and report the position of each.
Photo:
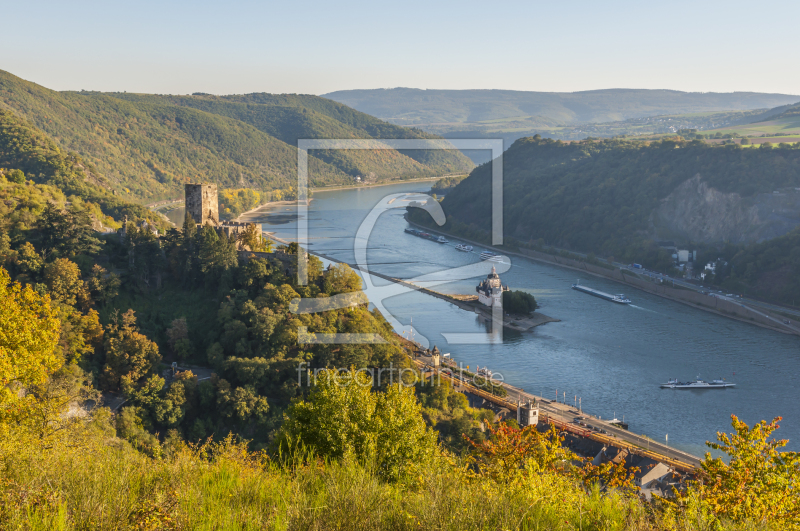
(786, 125)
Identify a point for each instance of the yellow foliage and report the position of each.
(29, 334)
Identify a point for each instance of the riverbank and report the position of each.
(271, 204)
(708, 303)
(519, 323)
(241, 217)
(375, 185)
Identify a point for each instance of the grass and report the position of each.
(92, 480)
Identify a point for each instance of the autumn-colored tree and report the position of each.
(252, 238)
(102, 285)
(610, 475)
(759, 483)
(81, 334)
(128, 353)
(28, 260)
(511, 451)
(29, 331)
(178, 330)
(63, 279)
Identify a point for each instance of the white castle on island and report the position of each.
(490, 290)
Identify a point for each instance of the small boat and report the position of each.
(465, 248)
(490, 256)
(698, 384)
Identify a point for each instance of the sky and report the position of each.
(180, 47)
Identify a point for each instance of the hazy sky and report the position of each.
(317, 47)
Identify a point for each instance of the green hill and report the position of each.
(616, 198)
(147, 146)
(414, 106)
(23, 148)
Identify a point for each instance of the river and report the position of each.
(611, 356)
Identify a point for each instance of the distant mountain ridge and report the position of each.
(147, 146)
(407, 106)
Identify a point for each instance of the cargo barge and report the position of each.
(619, 299)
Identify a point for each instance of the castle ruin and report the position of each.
(202, 203)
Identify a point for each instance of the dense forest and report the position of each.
(147, 146)
(598, 197)
(29, 156)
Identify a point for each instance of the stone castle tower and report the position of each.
(202, 203)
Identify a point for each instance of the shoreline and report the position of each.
(609, 276)
(269, 204)
(329, 189)
(375, 185)
(518, 323)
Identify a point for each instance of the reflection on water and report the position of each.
(611, 356)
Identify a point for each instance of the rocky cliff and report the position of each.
(694, 211)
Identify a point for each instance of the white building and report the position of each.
(490, 290)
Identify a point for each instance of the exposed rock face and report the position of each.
(699, 213)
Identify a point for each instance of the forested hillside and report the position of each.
(29, 156)
(147, 147)
(602, 197)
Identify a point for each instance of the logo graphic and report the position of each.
(377, 294)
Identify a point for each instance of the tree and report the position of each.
(68, 232)
(178, 330)
(512, 451)
(217, 253)
(759, 483)
(252, 238)
(29, 332)
(343, 417)
(16, 176)
(129, 353)
(241, 403)
(102, 285)
(519, 302)
(63, 279)
(28, 260)
(341, 279)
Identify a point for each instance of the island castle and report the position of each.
(490, 290)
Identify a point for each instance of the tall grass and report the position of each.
(97, 481)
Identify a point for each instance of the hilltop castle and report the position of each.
(202, 204)
(490, 290)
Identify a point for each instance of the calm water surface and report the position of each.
(612, 356)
